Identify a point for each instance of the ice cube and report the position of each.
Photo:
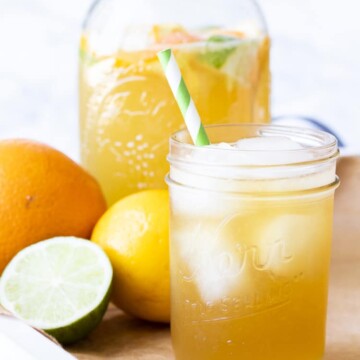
(284, 244)
(223, 145)
(262, 150)
(272, 150)
(213, 264)
(136, 38)
(198, 204)
(268, 143)
(251, 28)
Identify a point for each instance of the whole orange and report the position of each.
(43, 194)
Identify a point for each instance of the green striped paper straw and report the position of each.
(183, 98)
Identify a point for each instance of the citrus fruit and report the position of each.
(61, 286)
(172, 34)
(134, 233)
(43, 194)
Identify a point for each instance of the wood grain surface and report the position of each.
(122, 337)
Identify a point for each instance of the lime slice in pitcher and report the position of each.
(243, 61)
(233, 56)
(217, 50)
(61, 286)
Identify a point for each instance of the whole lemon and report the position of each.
(134, 233)
(43, 194)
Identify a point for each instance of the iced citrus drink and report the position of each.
(251, 225)
(127, 110)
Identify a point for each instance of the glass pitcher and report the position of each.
(127, 110)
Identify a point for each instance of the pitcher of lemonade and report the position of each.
(127, 110)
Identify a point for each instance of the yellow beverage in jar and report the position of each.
(251, 283)
(127, 110)
(251, 226)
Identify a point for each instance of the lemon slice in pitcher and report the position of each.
(61, 286)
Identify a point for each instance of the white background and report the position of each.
(315, 66)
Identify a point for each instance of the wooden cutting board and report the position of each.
(122, 337)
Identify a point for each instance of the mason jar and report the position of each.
(251, 228)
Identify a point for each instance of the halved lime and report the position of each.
(61, 285)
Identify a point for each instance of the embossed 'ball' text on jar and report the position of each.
(251, 236)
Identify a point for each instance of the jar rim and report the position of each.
(322, 145)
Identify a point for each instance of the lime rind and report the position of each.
(232, 56)
(82, 327)
(217, 49)
(61, 285)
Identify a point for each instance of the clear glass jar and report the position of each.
(127, 111)
(250, 244)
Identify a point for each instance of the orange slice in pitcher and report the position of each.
(172, 34)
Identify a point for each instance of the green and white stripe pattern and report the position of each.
(183, 98)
